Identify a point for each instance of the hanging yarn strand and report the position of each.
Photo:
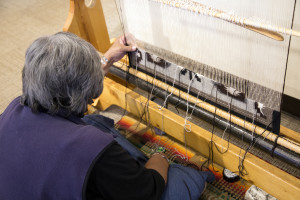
(173, 89)
(268, 30)
(187, 125)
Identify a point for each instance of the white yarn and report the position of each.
(188, 126)
(173, 89)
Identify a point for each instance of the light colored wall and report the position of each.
(292, 86)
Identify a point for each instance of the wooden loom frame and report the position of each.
(89, 23)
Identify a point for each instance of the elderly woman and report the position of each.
(47, 151)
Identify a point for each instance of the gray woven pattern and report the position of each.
(268, 97)
(203, 87)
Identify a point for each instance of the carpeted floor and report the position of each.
(24, 21)
(21, 23)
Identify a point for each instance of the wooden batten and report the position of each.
(88, 23)
(264, 175)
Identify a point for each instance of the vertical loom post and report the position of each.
(88, 23)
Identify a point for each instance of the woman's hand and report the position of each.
(118, 50)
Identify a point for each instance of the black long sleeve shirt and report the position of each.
(116, 175)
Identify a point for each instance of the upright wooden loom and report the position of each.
(89, 23)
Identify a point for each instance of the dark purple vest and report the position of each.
(46, 157)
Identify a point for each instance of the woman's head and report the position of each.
(61, 72)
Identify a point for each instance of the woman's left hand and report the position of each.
(118, 50)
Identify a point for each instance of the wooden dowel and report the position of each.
(262, 28)
(208, 107)
(290, 134)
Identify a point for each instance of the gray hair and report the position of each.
(62, 73)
